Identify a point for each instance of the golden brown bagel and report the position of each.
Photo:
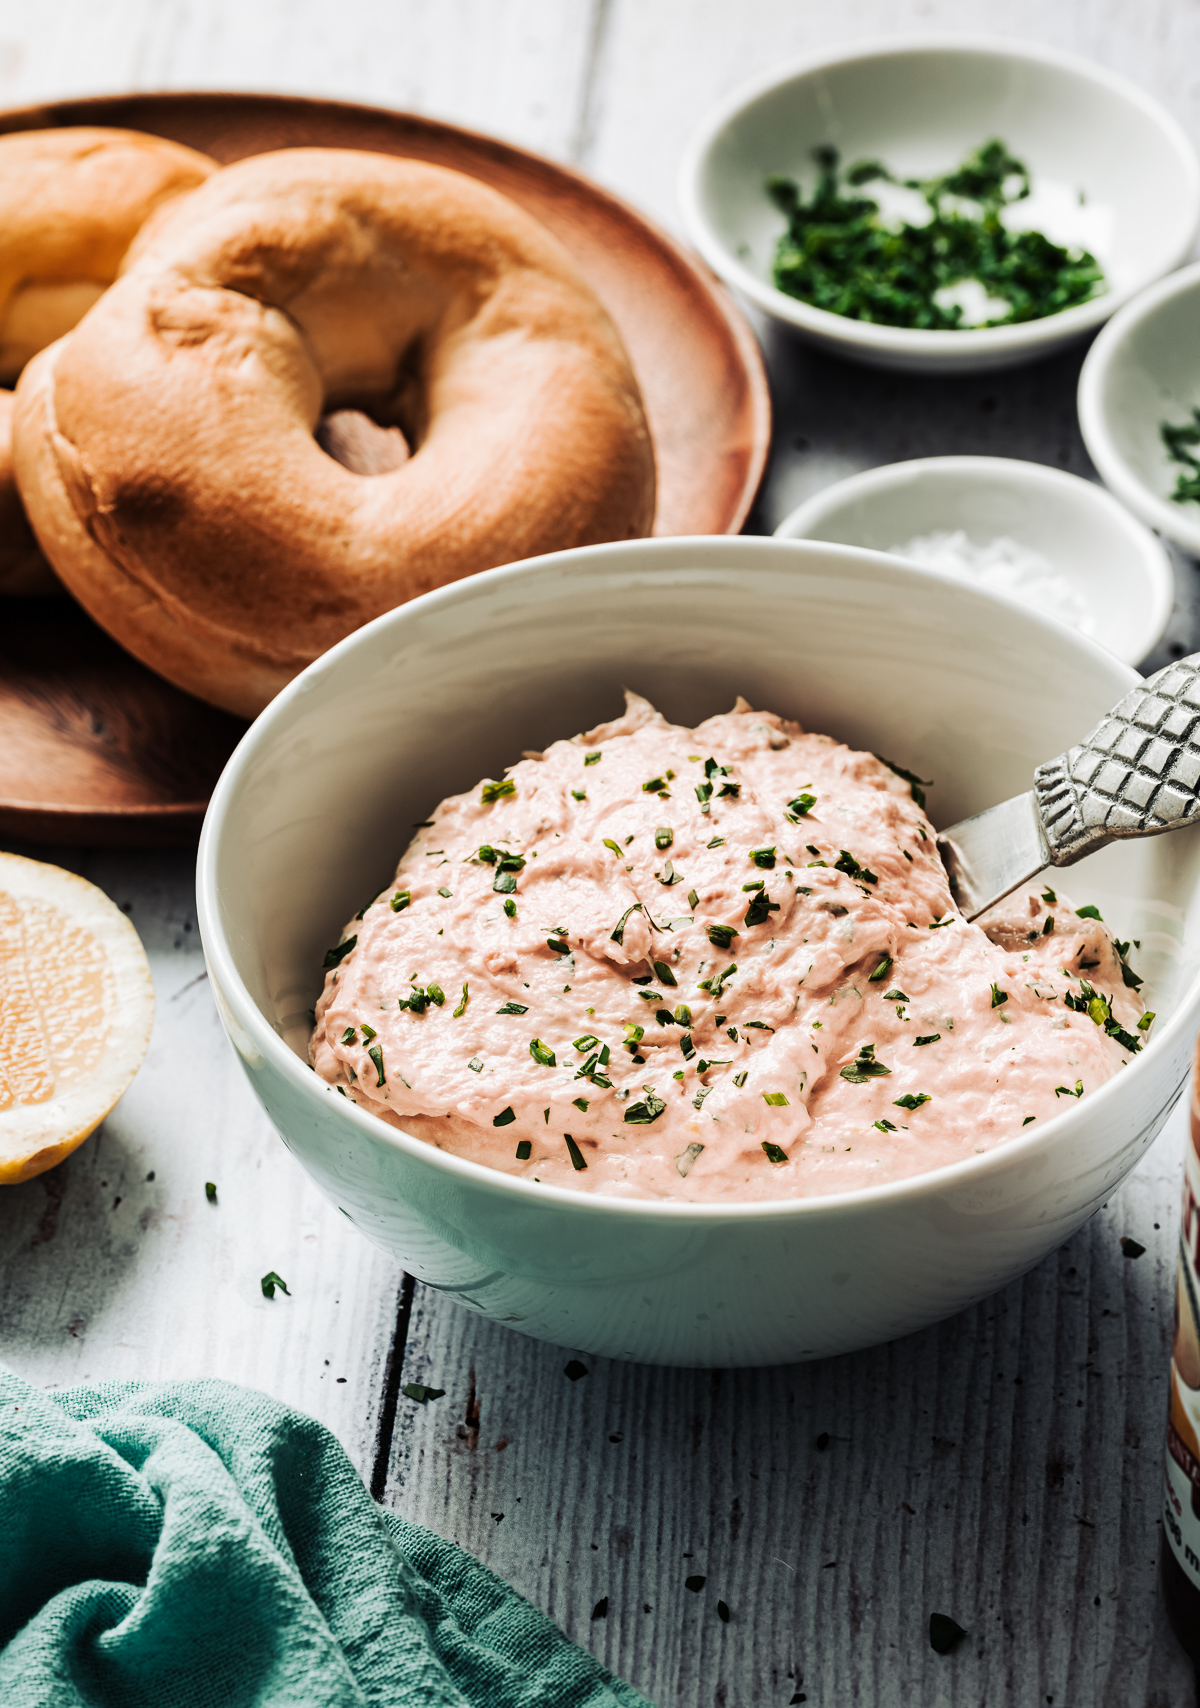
(166, 451)
(71, 203)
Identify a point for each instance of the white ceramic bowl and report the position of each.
(1115, 566)
(319, 799)
(920, 105)
(1144, 369)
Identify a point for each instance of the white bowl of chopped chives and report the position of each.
(1048, 539)
(1139, 393)
(945, 203)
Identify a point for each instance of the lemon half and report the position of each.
(76, 1008)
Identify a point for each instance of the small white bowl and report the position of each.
(919, 105)
(319, 799)
(1144, 369)
(1115, 566)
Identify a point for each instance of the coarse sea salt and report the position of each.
(1005, 566)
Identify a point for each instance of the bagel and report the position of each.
(166, 448)
(71, 203)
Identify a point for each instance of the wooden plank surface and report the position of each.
(114, 1265)
(1004, 1467)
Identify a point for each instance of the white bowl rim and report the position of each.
(866, 482)
(1071, 322)
(968, 1170)
(1156, 512)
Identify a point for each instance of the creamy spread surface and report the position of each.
(706, 964)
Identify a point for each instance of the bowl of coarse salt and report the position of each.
(1046, 539)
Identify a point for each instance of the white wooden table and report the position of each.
(1004, 1467)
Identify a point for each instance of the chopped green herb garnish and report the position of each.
(496, 791)
(1065, 1090)
(559, 945)
(368, 1032)
(936, 924)
(918, 785)
(760, 910)
(645, 1110)
(739, 1079)
(504, 1119)
(999, 997)
(592, 758)
(764, 858)
(1147, 1020)
(881, 971)
(615, 846)
(774, 1153)
(461, 1007)
(664, 836)
(896, 995)
(576, 1155)
(778, 1098)
(911, 1100)
(1028, 1119)
(846, 862)
(799, 808)
(716, 984)
(269, 1283)
(929, 1038)
(1178, 441)
(864, 1067)
(376, 1055)
(541, 1053)
(581, 1103)
(579, 794)
(419, 1392)
(664, 973)
(587, 1042)
(716, 842)
(722, 935)
(510, 907)
(618, 932)
(333, 956)
(476, 1064)
(1049, 897)
(349, 1036)
(686, 1159)
(693, 900)
(513, 1008)
(841, 256)
(400, 901)
(524, 1149)
(1049, 925)
(885, 1126)
(655, 786)
(1088, 912)
(210, 1191)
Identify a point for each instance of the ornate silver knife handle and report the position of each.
(1136, 774)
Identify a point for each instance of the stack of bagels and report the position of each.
(259, 405)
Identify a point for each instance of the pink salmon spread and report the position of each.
(711, 964)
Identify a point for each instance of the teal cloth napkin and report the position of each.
(197, 1545)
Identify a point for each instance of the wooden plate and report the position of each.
(95, 748)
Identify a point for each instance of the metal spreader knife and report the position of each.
(1136, 774)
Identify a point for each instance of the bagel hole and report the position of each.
(360, 444)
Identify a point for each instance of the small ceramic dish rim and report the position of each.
(972, 1170)
(868, 482)
(1158, 513)
(864, 339)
